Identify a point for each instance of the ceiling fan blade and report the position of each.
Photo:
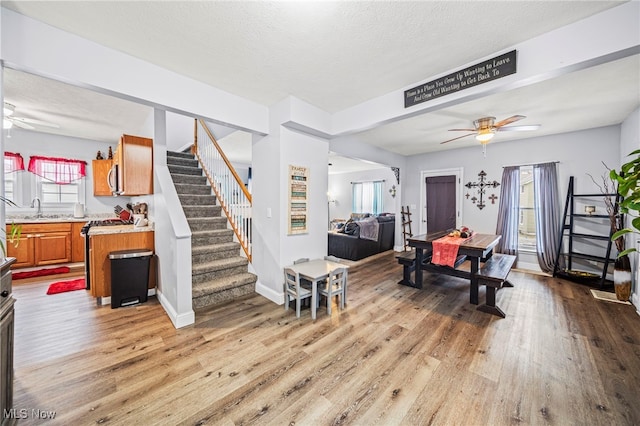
(459, 137)
(22, 125)
(33, 121)
(518, 128)
(462, 130)
(509, 120)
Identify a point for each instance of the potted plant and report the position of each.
(627, 186)
(627, 181)
(14, 234)
(622, 265)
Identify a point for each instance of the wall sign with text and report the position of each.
(483, 72)
(298, 199)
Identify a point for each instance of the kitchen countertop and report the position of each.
(118, 229)
(54, 218)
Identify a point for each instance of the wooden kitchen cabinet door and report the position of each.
(77, 242)
(24, 253)
(134, 158)
(101, 170)
(53, 247)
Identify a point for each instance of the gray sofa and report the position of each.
(347, 243)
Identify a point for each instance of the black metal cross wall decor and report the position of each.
(481, 185)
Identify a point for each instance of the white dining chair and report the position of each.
(336, 285)
(293, 289)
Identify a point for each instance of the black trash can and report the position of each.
(129, 276)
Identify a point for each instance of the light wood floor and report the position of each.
(396, 355)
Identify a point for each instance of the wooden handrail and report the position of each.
(226, 161)
(234, 227)
(194, 148)
(232, 194)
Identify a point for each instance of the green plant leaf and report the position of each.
(626, 252)
(620, 233)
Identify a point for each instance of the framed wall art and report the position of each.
(298, 199)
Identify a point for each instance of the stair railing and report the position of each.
(231, 192)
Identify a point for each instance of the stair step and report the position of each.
(218, 268)
(202, 211)
(176, 154)
(207, 223)
(182, 170)
(210, 237)
(197, 200)
(211, 252)
(188, 179)
(181, 161)
(222, 290)
(188, 189)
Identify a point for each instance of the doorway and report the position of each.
(440, 200)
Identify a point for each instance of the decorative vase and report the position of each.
(622, 278)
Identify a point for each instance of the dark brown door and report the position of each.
(441, 203)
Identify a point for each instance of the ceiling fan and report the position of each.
(25, 123)
(485, 128)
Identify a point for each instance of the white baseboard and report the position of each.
(635, 301)
(178, 320)
(269, 293)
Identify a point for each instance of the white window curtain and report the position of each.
(367, 197)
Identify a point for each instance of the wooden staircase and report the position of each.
(219, 273)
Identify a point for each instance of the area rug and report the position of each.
(40, 272)
(609, 297)
(62, 286)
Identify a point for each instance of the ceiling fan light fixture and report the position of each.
(485, 135)
(6, 124)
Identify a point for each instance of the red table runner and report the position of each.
(445, 250)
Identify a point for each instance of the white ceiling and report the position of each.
(333, 55)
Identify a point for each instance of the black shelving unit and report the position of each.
(567, 231)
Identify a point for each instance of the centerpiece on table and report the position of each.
(463, 232)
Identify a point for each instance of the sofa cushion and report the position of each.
(351, 228)
(359, 216)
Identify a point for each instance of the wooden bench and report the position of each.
(493, 274)
(408, 261)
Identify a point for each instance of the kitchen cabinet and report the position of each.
(77, 242)
(41, 244)
(115, 239)
(101, 169)
(24, 252)
(6, 343)
(134, 165)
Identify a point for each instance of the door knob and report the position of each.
(4, 293)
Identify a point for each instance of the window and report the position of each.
(58, 180)
(12, 163)
(367, 197)
(52, 193)
(527, 222)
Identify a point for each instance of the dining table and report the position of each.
(477, 248)
(316, 270)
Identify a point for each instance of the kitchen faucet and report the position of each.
(33, 204)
